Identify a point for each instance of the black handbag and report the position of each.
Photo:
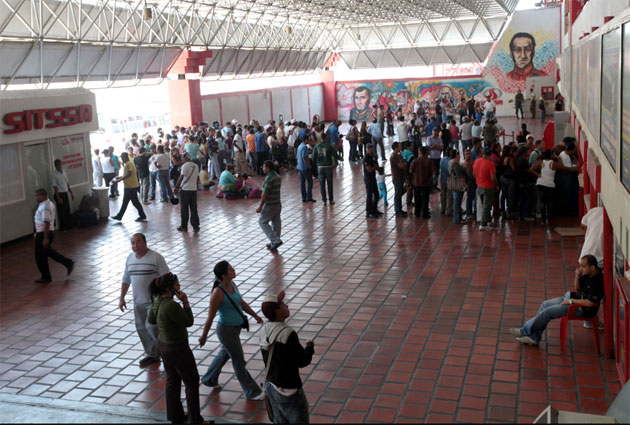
(245, 324)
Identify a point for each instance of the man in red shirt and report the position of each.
(486, 176)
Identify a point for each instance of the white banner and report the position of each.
(71, 151)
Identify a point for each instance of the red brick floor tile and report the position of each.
(439, 418)
(350, 418)
(443, 353)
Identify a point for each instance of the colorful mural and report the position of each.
(525, 50)
(356, 99)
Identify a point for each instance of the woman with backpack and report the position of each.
(228, 302)
(172, 320)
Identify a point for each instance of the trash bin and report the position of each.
(102, 197)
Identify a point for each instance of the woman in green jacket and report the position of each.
(179, 361)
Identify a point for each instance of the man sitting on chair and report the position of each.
(589, 291)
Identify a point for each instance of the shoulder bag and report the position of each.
(245, 324)
(454, 183)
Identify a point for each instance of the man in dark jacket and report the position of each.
(422, 170)
(283, 356)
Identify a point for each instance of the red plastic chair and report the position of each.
(564, 326)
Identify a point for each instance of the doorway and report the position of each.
(38, 171)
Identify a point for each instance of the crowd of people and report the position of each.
(444, 149)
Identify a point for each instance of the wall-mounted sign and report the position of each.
(37, 119)
(609, 130)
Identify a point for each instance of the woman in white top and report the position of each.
(545, 169)
(109, 171)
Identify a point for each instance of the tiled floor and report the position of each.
(410, 316)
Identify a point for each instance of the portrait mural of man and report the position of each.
(361, 110)
(523, 50)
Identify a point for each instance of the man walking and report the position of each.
(270, 207)
(141, 161)
(398, 165)
(589, 291)
(142, 266)
(304, 168)
(485, 174)
(423, 170)
(324, 156)
(61, 185)
(162, 162)
(518, 103)
(130, 180)
(283, 356)
(44, 236)
(187, 182)
(371, 188)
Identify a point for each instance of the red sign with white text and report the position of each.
(37, 119)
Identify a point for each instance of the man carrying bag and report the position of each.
(283, 356)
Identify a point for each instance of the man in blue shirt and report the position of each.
(227, 130)
(428, 129)
(304, 168)
(333, 133)
(261, 148)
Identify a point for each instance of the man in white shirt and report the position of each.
(153, 171)
(61, 185)
(465, 132)
(44, 236)
(97, 169)
(488, 108)
(142, 266)
(162, 162)
(187, 185)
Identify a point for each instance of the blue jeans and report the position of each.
(287, 410)
(549, 310)
(457, 206)
(165, 186)
(153, 175)
(307, 190)
(231, 348)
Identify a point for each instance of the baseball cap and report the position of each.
(270, 304)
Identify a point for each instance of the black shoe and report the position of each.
(152, 199)
(304, 201)
(147, 361)
(277, 244)
(332, 202)
(269, 246)
(378, 212)
(311, 200)
(115, 217)
(70, 267)
(141, 219)
(401, 214)
(195, 229)
(43, 281)
(182, 229)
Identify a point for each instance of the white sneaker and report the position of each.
(483, 228)
(259, 397)
(589, 325)
(516, 332)
(526, 340)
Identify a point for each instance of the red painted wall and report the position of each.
(184, 98)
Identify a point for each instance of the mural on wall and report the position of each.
(356, 100)
(528, 48)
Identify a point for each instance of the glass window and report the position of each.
(11, 186)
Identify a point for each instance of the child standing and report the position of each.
(382, 188)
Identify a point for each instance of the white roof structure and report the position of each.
(114, 41)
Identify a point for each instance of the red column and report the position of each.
(608, 285)
(330, 95)
(184, 98)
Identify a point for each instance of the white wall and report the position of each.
(299, 103)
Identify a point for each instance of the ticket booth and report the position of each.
(37, 127)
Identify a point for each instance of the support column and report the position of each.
(184, 98)
(330, 95)
(608, 285)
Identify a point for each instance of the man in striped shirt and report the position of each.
(142, 266)
(270, 206)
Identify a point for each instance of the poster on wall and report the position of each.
(584, 81)
(594, 65)
(528, 48)
(71, 151)
(609, 135)
(355, 100)
(577, 52)
(625, 130)
(566, 66)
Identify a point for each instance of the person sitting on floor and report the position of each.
(204, 179)
(589, 291)
(226, 183)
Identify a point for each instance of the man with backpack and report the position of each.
(324, 157)
(283, 356)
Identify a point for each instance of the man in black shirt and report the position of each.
(141, 161)
(283, 356)
(371, 188)
(589, 291)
